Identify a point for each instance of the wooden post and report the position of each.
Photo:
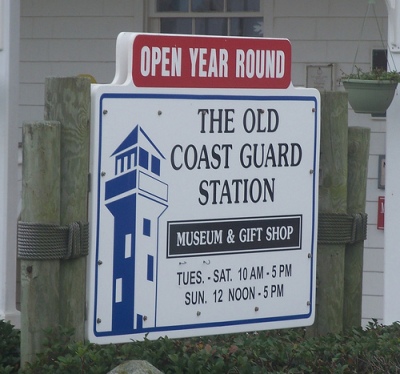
(332, 199)
(358, 152)
(40, 204)
(68, 100)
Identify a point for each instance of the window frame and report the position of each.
(154, 17)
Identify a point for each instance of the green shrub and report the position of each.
(62, 355)
(9, 348)
(375, 349)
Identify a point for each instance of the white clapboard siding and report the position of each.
(65, 38)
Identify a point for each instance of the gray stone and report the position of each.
(135, 367)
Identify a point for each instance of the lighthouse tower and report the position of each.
(136, 197)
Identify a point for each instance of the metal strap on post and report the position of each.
(342, 228)
(39, 241)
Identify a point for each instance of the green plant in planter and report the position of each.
(371, 92)
(373, 75)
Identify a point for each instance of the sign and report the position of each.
(321, 77)
(204, 201)
(196, 62)
(381, 213)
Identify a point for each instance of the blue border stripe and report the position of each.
(205, 97)
(213, 324)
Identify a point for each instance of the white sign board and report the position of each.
(204, 201)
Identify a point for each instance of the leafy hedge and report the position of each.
(9, 348)
(375, 349)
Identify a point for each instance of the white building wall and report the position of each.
(64, 38)
(9, 56)
(324, 32)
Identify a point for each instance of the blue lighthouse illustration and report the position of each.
(136, 197)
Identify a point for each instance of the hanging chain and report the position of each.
(385, 46)
(359, 39)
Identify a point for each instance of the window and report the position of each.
(128, 245)
(208, 17)
(379, 59)
(143, 158)
(125, 161)
(155, 165)
(146, 227)
(150, 268)
(118, 290)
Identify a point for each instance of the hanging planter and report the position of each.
(371, 92)
(366, 96)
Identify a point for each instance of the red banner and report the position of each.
(211, 62)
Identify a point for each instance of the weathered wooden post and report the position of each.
(332, 204)
(40, 204)
(68, 100)
(358, 152)
(54, 215)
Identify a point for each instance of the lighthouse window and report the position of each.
(118, 290)
(121, 164)
(150, 268)
(128, 245)
(124, 161)
(146, 226)
(155, 165)
(143, 158)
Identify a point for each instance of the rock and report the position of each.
(135, 367)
